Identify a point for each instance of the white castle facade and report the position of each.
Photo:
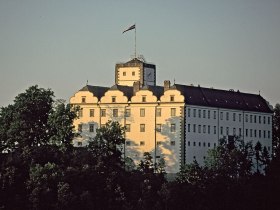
(176, 122)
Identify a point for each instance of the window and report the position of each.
(251, 132)
(113, 99)
(103, 112)
(124, 73)
(268, 120)
(133, 73)
(81, 112)
(172, 143)
(172, 98)
(260, 119)
(115, 112)
(255, 119)
(142, 143)
(208, 114)
(159, 143)
(227, 131)
(221, 117)
(222, 130)
(246, 132)
(251, 118)
(189, 112)
(194, 113)
(194, 143)
(209, 144)
(189, 143)
(268, 134)
(91, 128)
(234, 116)
(234, 131)
(173, 112)
(80, 127)
(127, 127)
(142, 112)
(194, 128)
(199, 113)
(227, 116)
(173, 128)
(215, 130)
(128, 143)
(260, 133)
(239, 117)
(189, 127)
(204, 113)
(91, 112)
(127, 112)
(143, 98)
(214, 144)
(264, 134)
(158, 127)
(142, 127)
(199, 144)
(158, 112)
(255, 133)
(263, 119)
(204, 144)
(208, 129)
(204, 128)
(199, 128)
(246, 118)
(215, 114)
(240, 131)
(83, 99)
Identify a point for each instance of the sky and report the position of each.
(60, 44)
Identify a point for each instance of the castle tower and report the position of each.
(135, 70)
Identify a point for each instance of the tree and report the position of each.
(276, 129)
(258, 149)
(33, 133)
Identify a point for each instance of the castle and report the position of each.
(176, 122)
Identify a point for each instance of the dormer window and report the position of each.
(83, 99)
(113, 99)
(172, 98)
(143, 98)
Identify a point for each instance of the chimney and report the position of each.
(166, 85)
(136, 87)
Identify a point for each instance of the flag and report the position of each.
(130, 28)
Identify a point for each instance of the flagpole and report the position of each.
(135, 42)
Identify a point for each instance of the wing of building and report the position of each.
(176, 122)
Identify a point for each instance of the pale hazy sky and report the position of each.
(60, 44)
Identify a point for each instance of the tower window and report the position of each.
(133, 73)
(124, 73)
